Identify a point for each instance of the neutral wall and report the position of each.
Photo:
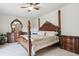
(51, 17)
(6, 20)
(69, 19)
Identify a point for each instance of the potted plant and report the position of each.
(3, 38)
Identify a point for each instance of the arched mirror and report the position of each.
(16, 26)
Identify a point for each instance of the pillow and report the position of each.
(34, 31)
(41, 33)
(51, 33)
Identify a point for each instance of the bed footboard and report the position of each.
(25, 43)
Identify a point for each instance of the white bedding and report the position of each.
(35, 38)
(39, 42)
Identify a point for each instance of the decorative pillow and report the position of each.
(51, 33)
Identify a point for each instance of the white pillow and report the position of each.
(51, 33)
(41, 33)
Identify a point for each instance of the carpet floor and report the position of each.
(14, 49)
(55, 51)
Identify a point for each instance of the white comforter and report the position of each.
(39, 42)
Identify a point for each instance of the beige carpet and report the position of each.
(55, 52)
(14, 49)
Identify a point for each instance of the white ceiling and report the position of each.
(13, 9)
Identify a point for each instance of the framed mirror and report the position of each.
(16, 26)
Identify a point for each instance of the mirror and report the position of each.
(16, 26)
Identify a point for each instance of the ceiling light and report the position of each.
(30, 8)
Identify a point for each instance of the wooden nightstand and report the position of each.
(70, 43)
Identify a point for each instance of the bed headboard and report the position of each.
(47, 26)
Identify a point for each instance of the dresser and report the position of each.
(70, 43)
(11, 37)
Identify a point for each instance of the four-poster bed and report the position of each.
(33, 43)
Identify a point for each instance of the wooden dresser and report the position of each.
(70, 43)
(11, 37)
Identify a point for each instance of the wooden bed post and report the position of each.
(59, 22)
(38, 22)
(29, 37)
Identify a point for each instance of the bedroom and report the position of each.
(69, 25)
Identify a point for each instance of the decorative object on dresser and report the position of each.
(70, 43)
